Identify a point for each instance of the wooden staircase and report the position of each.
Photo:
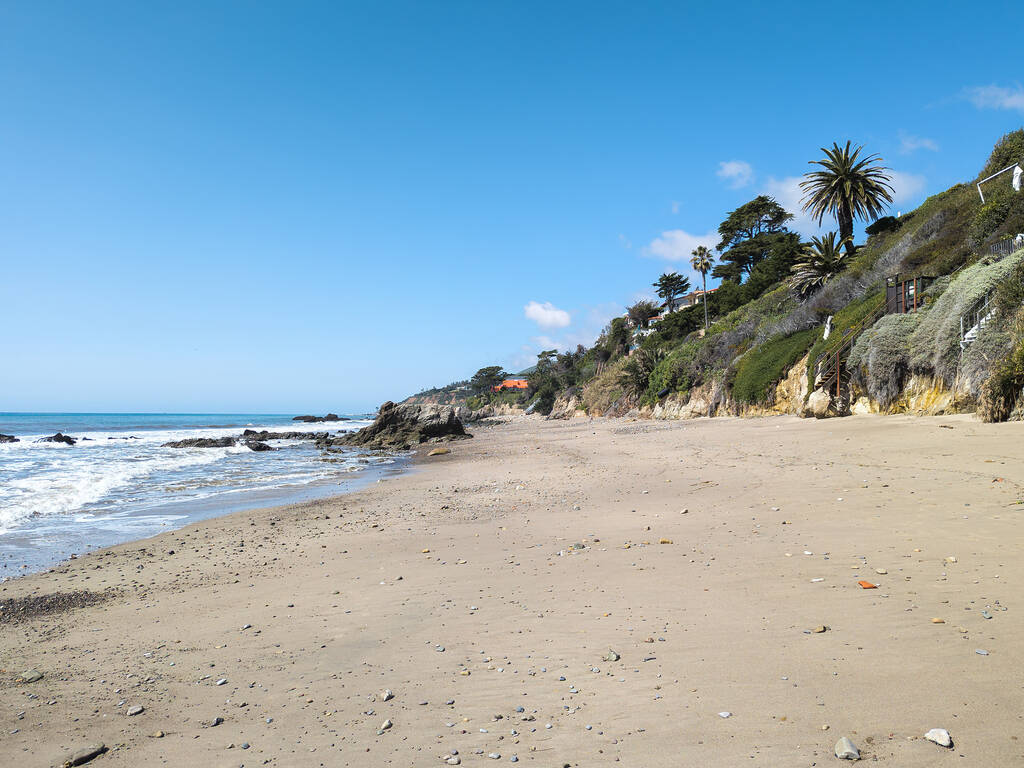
(830, 371)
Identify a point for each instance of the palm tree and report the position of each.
(701, 262)
(671, 286)
(847, 187)
(822, 259)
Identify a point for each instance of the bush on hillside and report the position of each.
(935, 345)
(761, 368)
(883, 224)
(1007, 151)
(880, 358)
(1001, 394)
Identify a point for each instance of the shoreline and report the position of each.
(342, 601)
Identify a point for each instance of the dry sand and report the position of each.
(467, 565)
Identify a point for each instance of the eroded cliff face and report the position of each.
(567, 406)
(921, 396)
(791, 392)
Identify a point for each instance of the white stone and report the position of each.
(845, 750)
(939, 736)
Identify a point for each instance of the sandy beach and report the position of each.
(575, 593)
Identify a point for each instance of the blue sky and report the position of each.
(229, 206)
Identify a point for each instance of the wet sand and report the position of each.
(499, 577)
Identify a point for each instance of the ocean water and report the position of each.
(119, 484)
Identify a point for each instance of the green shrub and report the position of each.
(848, 317)
(880, 358)
(884, 224)
(1001, 393)
(935, 345)
(1007, 151)
(761, 368)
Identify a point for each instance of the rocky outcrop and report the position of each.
(203, 442)
(818, 405)
(318, 419)
(791, 392)
(567, 406)
(700, 401)
(264, 435)
(8, 439)
(256, 445)
(58, 438)
(399, 427)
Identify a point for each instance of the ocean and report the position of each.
(119, 484)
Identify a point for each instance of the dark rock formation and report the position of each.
(319, 419)
(8, 439)
(251, 434)
(256, 445)
(399, 427)
(58, 438)
(203, 442)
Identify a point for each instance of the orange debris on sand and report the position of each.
(867, 585)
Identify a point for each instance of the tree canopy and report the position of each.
(748, 236)
(640, 314)
(487, 378)
(670, 287)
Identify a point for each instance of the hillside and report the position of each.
(838, 348)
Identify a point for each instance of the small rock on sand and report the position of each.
(438, 451)
(30, 676)
(845, 750)
(136, 710)
(84, 755)
(939, 736)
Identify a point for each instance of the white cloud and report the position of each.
(675, 206)
(909, 143)
(546, 315)
(738, 173)
(678, 245)
(592, 321)
(996, 97)
(906, 186)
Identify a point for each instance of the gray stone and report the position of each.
(845, 750)
(84, 755)
(818, 403)
(30, 676)
(138, 709)
(939, 736)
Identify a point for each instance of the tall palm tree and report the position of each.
(701, 261)
(671, 286)
(848, 187)
(822, 259)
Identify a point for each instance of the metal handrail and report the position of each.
(973, 316)
(828, 364)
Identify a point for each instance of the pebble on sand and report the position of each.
(138, 709)
(845, 750)
(30, 676)
(84, 755)
(939, 736)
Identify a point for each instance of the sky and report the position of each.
(310, 206)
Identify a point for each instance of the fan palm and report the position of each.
(848, 187)
(821, 260)
(701, 261)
